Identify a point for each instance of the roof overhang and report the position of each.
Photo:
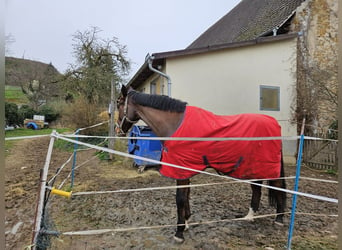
(159, 58)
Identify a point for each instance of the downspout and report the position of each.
(149, 60)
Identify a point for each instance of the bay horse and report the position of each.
(167, 117)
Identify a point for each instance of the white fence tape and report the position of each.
(318, 197)
(190, 186)
(116, 230)
(283, 138)
(25, 137)
(318, 139)
(93, 126)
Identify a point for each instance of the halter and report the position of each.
(125, 118)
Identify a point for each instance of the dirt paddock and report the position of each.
(213, 208)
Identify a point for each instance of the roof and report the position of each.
(248, 20)
(159, 58)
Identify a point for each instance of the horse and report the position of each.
(166, 116)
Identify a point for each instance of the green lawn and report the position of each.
(29, 132)
(15, 94)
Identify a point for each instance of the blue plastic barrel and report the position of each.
(145, 148)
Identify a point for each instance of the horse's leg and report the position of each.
(187, 206)
(255, 201)
(278, 199)
(183, 208)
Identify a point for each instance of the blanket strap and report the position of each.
(207, 164)
(136, 147)
(235, 166)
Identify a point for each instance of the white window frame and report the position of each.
(153, 87)
(261, 105)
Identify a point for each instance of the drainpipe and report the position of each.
(149, 60)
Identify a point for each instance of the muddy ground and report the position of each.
(213, 207)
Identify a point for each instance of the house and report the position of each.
(245, 63)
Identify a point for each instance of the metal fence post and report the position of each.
(74, 160)
(294, 197)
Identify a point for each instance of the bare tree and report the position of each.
(98, 62)
(41, 86)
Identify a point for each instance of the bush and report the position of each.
(25, 112)
(16, 116)
(49, 113)
(81, 114)
(11, 114)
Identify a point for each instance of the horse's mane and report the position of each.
(161, 102)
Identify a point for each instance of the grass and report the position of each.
(332, 172)
(8, 146)
(62, 144)
(15, 94)
(27, 132)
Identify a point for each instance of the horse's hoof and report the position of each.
(250, 215)
(141, 169)
(178, 240)
(186, 225)
(247, 218)
(278, 223)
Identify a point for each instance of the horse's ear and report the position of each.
(124, 90)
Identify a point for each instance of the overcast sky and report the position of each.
(43, 29)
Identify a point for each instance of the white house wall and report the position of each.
(228, 81)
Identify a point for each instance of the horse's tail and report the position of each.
(281, 183)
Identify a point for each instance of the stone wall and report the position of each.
(317, 21)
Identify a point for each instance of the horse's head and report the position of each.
(127, 113)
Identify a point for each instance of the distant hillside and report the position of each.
(27, 74)
(18, 71)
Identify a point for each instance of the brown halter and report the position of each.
(125, 118)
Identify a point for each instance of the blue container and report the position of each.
(145, 148)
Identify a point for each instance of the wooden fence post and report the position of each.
(111, 141)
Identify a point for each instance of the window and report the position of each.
(269, 98)
(153, 87)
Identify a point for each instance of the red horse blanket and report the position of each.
(239, 159)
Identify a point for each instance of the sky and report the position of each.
(42, 30)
